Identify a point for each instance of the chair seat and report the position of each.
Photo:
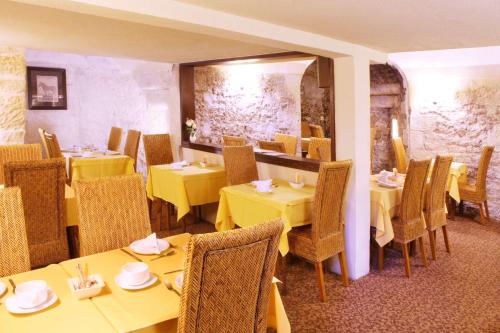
(409, 231)
(437, 220)
(469, 192)
(301, 243)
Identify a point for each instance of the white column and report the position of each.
(352, 124)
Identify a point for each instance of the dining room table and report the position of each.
(185, 186)
(244, 206)
(152, 309)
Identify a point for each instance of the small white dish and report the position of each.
(3, 288)
(387, 184)
(86, 292)
(121, 282)
(162, 246)
(296, 186)
(179, 280)
(13, 307)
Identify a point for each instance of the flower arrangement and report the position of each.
(191, 129)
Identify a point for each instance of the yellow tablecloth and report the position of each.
(191, 186)
(67, 315)
(242, 205)
(155, 308)
(100, 166)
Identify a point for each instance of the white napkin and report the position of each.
(178, 165)
(149, 244)
(263, 185)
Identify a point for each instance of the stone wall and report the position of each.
(314, 100)
(249, 100)
(12, 95)
(105, 92)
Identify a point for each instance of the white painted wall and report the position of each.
(104, 92)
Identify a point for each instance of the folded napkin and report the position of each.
(149, 244)
(178, 165)
(265, 182)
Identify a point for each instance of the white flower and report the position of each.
(189, 122)
(194, 126)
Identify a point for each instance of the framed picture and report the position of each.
(46, 88)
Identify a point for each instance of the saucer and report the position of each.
(179, 280)
(162, 246)
(122, 284)
(12, 307)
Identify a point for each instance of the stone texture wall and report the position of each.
(314, 100)
(105, 92)
(457, 112)
(252, 100)
(12, 95)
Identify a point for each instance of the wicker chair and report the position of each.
(324, 238)
(434, 208)
(240, 165)
(132, 145)
(409, 224)
(228, 280)
(42, 186)
(399, 152)
(29, 152)
(290, 142)
(229, 140)
(316, 131)
(112, 211)
(305, 130)
(158, 150)
(272, 145)
(53, 147)
(115, 138)
(14, 254)
(41, 133)
(476, 193)
(325, 154)
(314, 144)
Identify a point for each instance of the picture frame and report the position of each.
(46, 88)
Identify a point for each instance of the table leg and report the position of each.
(452, 206)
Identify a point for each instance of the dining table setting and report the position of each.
(135, 288)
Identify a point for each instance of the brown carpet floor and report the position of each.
(457, 293)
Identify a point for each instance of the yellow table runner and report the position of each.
(244, 206)
(191, 186)
(100, 166)
(68, 314)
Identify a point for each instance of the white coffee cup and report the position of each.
(31, 294)
(135, 273)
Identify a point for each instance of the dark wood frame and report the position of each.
(187, 103)
(60, 73)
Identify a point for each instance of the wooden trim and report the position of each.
(285, 161)
(331, 111)
(186, 90)
(323, 67)
(291, 54)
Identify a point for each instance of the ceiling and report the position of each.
(50, 29)
(385, 25)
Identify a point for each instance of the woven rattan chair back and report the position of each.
(400, 154)
(316, 131)
(228, 279)
(314, 144)
(28, 152)
(115, 138)
(329, 200)
(112, 212)
(290, 142)
(132, 145)
(272, 145)
(482, 170)
(42, 186)
(240, 164)
(41, 133)
(157, 149)
(229, 140)
(435, 210)
(53, 147)
(14, 254)
(305, 130)
(412, 198)
(325, 154)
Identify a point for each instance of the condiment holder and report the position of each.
(298, 183)
(85, 286)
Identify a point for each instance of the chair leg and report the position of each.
(406, 255)
(422, 251)
(461, 208)
(432, 241)
(487, 210)
(481, 213)
(343, 268)
(446, 242)
(321, 280)
(380, 258)
(452, 206)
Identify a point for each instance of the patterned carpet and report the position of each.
(457, 293)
